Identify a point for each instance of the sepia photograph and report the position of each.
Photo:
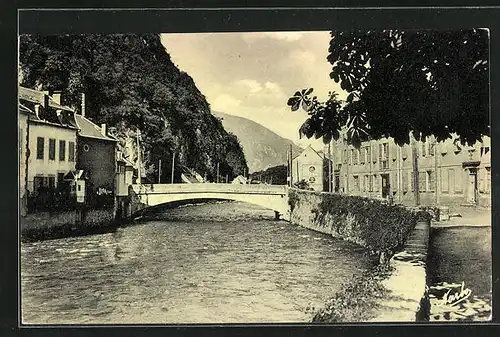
(308, 176)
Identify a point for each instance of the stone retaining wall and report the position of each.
(45, 225)
(406, 286)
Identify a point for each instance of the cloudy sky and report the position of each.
(252, 75)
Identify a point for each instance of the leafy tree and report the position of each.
(402, 82)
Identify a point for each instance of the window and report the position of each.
(375, 183)
(356, 183)
(370, 183)
(345, 156)
(52, 149)
(368, 154)
(62, 150)
(394, 181)
(444, 181)
(432, 147)
(458, 182)
(71, 151)
(451, 180)
(60, 179)
(383, 155)
(423, 148)
(422, 181)
(484, 150)
(430, 181)
(406, 178)
(412, 181)
(487, 181)
(362, 155)
(39, 147)
(404, 151)
(366, 184)
(52, 182)
(37, 183)
(374, 153)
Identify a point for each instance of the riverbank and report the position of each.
(57, 225)
(48, 226)
(394, 291)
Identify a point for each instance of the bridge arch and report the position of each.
(270, 197)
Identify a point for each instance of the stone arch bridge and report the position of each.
(274, 197)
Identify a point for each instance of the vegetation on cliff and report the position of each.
(131, 84)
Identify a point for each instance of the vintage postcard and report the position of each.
(326, 176)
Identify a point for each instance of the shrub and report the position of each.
(384, 228)
(302, 185)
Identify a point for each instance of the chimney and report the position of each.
(56, 96)
(103, 129)
(45, 103)
(83, 105)
(37, 110)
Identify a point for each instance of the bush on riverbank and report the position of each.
(357, 299)
(380, 227)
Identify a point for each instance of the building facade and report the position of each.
(309, 166)
(96, 156)
(425, 172)
(47, 146)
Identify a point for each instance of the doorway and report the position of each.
(385, 185)
(472, 187)
(337, 182)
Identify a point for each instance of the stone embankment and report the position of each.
(46, 225)
(398, 235)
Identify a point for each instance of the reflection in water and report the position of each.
(209, 263)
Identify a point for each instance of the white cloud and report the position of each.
(273, 87)
(225, 102)
(253, 85)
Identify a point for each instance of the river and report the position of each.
(209, 263)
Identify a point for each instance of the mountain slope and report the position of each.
(262, 147)
(131, 84)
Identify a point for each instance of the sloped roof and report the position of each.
(307, 148)
(89, 129)
(38, 97)
(55, 114)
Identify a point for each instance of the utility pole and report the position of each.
(138, 158)
(437, 172)
(329, 167)
(159, 171)
(217, 172)
(291, 167)
(415, 172)
(173, 165)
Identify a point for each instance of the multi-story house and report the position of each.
(310, 166)
(425, 172)
(49, 132)
(57, 146)
(96, 156)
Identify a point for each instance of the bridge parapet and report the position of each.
(210, 188)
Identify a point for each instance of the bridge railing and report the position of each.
(210, 188)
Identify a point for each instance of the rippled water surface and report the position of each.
(211, 263)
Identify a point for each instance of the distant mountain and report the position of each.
(262, 147)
